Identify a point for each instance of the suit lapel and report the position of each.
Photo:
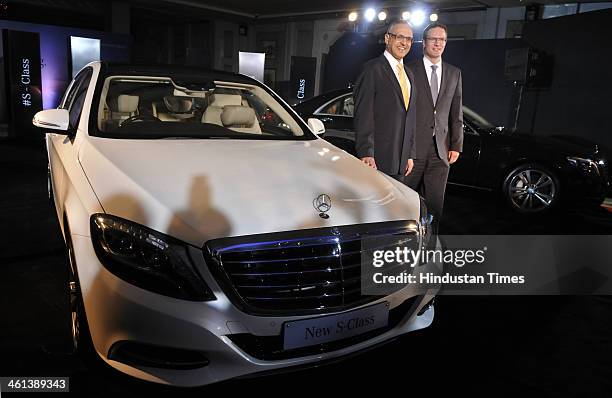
(444, 82)
(391, 75)
(412, 82)
(422, 75)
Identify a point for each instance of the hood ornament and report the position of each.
(322, 204)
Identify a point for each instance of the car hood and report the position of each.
(197, 190)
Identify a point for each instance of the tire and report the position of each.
(531, 189)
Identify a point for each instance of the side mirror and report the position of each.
(316, 126)
(52, 119)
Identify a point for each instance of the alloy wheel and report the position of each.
(531, 190)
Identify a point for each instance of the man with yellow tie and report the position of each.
(384, 112)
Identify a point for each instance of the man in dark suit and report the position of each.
(439, 124)
(384, 113)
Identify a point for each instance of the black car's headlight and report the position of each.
(147, 258)
(586, 165)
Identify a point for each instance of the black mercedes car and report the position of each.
(533, 173)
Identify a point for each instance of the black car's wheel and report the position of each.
(81, 338)
(531, 189)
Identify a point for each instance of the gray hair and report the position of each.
(398, 22)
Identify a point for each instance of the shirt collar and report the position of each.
(428, 63)
(392, 59)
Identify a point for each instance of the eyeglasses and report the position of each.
(436, 39)
(401, 37)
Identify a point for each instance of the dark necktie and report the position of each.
(434, 84)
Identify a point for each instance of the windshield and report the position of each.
(158, 107)
(477, 119)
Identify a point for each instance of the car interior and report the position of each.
(132, 101)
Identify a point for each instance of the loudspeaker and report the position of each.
(515, 68)
(528, 66)
(532, 12)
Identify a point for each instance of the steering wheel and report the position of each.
(140, 118)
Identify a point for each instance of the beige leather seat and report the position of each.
(349, 107)
(240, 118)
(212, 114)
(121, 108)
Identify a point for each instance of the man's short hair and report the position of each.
(435, 25)
(398, 22)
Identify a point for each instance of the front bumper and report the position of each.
(587, 186)
(120, 312)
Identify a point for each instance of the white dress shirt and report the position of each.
(428, 70)
(393, 62)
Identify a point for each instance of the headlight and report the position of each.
(586, 165)
(146, 258)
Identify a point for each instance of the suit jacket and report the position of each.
(384, 129)
(446, 118)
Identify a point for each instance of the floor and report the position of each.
(482, 345)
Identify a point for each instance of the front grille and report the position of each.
(271, 347)
(302, 272)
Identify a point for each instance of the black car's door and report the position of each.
(464, 170)
(338, 113)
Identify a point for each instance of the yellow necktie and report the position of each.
(403, 85)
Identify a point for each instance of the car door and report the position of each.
(463, 172)
(60, 147)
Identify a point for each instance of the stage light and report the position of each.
(433, 17)
(353, 16)
(406, 15)
(370, 14)
(417, 18)
(382, 16)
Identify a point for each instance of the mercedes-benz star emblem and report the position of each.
(322, 203)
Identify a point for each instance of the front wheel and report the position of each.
(531, 189)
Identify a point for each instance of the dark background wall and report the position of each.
(578, 100)
(160, 38)
(482, 65)
(345, 59)
(481, 61)
(576, 103)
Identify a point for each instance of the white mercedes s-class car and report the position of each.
(212, 234)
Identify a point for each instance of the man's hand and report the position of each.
(369, 160)
(409, 167)
(452, 156)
